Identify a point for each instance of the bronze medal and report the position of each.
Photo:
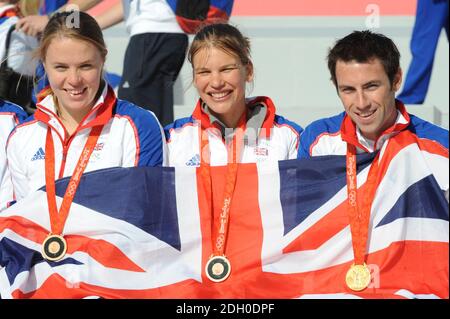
(218, 268)
(358, 277)
(54, 247)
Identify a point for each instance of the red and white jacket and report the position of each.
(277, 139)
(131, 136)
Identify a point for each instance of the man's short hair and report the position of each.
(363, 46)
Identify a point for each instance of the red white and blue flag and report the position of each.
(191, 15)
(146, 232)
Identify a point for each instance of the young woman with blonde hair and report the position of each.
(222, 67)
(79, 124)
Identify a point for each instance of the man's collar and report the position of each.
(349, 131)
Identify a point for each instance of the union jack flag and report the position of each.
(146, 232)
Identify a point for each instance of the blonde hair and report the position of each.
(86, 30)
(60, 25)
(222, 36)
(29, 7)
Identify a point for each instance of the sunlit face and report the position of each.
(220, 79)
(367, 95)
(74, 69)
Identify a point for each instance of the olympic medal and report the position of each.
(358, 277)
(54, 247)
(218, 268)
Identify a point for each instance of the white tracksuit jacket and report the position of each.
(131, 136)
(277, 140)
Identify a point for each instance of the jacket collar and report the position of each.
(8, 10)
(350, 135)
(203, 117)
(100, 114)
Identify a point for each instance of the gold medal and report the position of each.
(54, 247)
(218, 268)
(358, 277)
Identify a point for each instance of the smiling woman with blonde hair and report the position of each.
(79, 124)
(226, 128)
(222, 68)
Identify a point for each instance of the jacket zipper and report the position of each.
(64, 156)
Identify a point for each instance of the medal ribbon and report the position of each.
(58, 220)
(359, 216)
(220, 232)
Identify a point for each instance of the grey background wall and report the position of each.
(289, 57)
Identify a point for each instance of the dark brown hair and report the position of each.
(363, 46)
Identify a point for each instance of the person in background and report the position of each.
(365, 69)
(33, 25)
(79, 123)
(222, 67)
(154, 55)
(17, 63)
(10, 116)
(431, 18)
(21, 45)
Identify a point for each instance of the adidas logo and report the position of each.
(194, 161)
(126, 85)
(40, 155)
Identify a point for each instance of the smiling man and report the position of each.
(365, 69)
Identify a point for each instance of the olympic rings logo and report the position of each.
(352, 198)
(219, 242)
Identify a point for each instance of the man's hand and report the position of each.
(32, 25)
